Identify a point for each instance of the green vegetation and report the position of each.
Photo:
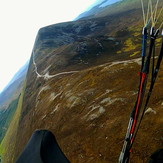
(7, 146)
(125, 6)
(6, 117)
(129, 45)
(158, 42)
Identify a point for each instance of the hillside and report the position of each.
(13, 89)
(9, 99)
(119, 6)
(7, 146)
(6, 117)
(82, 84)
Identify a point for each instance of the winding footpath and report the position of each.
(47, 76)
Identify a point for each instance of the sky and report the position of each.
(20, 22)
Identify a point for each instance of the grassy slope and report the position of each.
(120, 7)
(6, 117)
(87, 134)
(7, 145)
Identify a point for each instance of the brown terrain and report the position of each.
(82, 84)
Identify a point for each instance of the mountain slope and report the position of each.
(9, 99)
(13, 89)
(82, 83)
(96, 8)
(121, 6)
(7, 146)
(6, 117)
(88, 112)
